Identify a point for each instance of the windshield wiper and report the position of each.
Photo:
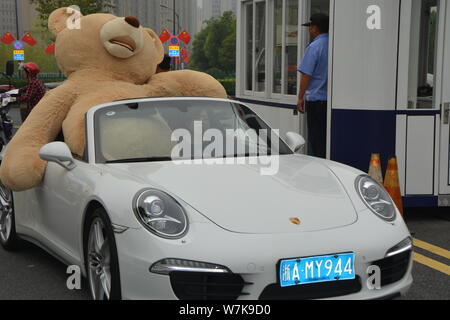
(155, 159)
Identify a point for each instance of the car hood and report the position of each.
(240, 199)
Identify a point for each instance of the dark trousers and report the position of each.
(317, 128)
(24, 112)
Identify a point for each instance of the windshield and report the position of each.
(182, 129)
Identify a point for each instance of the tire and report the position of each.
(8, 236)
(100, 256)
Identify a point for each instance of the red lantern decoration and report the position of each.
(50, 49)
(185, 55)
(185, 36)
(165, 35)
(7, 38)
(28, 38)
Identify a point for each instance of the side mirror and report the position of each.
(295, 141)
(59, 153)
(9, 68)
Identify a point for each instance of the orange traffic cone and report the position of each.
(375, 168)
(392, 184)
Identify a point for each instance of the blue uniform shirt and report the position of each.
(315, 64)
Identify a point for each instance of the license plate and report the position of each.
(317, 269)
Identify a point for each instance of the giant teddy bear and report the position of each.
(106, 59)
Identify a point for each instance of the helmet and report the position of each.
(30, 67)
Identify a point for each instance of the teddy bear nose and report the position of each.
(133, 21)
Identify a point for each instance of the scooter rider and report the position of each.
(33, 92)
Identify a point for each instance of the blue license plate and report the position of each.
(302, 271)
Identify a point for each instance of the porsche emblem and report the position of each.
(295, 221)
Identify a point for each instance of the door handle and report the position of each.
(446, 112)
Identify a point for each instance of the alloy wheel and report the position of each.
(6, 213)
(99, 261)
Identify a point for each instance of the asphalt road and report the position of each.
(34, 274)
(431, 226)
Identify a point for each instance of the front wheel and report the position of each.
(8, 236)
(102, 263)
(8, 126)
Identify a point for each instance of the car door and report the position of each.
(61, 198)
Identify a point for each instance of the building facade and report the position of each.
(228, 5)
(388, 88)
(209, 9)
(158, 14)
(8, 21)
(10, 11)
(28, 16)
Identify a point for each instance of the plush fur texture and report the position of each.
(105, 60)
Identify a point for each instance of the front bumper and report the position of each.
(254, 257)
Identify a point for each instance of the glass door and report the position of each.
(444, 173)
(424, 58)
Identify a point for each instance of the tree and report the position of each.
(227, 52)
(214, 46)
(199, 59)
(46, 7)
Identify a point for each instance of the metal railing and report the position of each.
(17, 76)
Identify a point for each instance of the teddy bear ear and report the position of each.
(158, 44)
(63, 18)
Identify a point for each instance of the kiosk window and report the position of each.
(285, 47)
(278, 46)
(260, 46)
(320, 6)
(249, 46)
(255, 46)
(291, 49)
(272, 38)
(423, 53)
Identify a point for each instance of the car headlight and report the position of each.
(160, 214)
(376, 198)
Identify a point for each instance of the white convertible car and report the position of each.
(145, 218)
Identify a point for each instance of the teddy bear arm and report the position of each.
(185, 83)
(21, 167)
(74, 126)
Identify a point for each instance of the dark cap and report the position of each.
(320, 20)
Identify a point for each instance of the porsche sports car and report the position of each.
(170, 201)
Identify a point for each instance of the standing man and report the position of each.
(313, 94)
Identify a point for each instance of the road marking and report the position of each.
(16, 127)
(432, 263)
(431, 248)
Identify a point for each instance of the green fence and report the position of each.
(228, 80)
(18, 81)
(43, 76)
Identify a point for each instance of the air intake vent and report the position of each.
(207, 286)
(394, 268)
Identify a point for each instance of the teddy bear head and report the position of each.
(105, 43)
